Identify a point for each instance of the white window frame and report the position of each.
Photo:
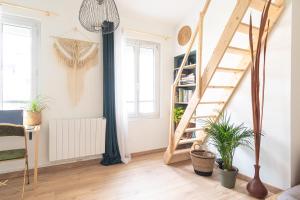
(156, 46)
(36, 29)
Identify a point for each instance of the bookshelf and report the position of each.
(186, 88)
(187, 83)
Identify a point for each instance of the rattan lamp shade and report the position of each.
(96, 15)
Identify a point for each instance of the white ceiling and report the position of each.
(170, 12)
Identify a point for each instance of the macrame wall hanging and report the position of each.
(78, 56)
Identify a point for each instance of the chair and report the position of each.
(11, 130)
(11, 117)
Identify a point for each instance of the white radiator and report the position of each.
(76, 138)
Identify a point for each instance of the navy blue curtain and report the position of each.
(112, 153)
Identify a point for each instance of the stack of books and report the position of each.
(187, 79)
(184, 95)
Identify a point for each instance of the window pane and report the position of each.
(17, 62)
(129, 60)
(146, 75)
(146, 107)
(130, 108)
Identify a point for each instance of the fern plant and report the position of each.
(226, 137)
(37, 104)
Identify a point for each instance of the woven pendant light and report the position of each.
(99, 15)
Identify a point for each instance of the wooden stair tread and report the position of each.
(244, 28)
(221, 87)
(188, 130)
(188, 141)
(237, 50)
(212, 102)
(235, 70)
(204, 116)
(259, 5)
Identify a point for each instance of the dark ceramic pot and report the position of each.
(228, 178)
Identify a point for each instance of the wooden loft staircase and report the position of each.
(215, 84)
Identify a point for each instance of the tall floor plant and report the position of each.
(255, 187)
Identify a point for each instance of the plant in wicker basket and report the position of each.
(34, 110)
(226, 137)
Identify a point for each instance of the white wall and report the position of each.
(143, 134)
(295, 96)
(275, 147)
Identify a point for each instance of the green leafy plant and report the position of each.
(178, 112)
(37, 104)
(226, 137)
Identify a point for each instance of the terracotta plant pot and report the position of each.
(228, 178)
(33, 118)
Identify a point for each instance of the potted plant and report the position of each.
(178, 112)
(34, 111)
(226, 137)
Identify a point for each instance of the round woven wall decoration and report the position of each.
(184, 35)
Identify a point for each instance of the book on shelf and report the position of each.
(184, 95)
(187, 79)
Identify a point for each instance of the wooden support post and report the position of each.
(199, 56)
(200, 48)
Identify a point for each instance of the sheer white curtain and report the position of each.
(120, 90)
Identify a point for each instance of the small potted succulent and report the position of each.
(226, 137)
(34, 111)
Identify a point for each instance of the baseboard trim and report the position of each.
(143, 153)
(271, 188)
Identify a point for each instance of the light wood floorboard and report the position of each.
(146, 177)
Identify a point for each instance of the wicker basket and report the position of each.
(203, 161)
(33, 118)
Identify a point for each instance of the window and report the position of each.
(18, 60)
(141, 60)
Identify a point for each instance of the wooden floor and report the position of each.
(146, 177)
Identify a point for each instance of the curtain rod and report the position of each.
(45, 12)
(166, 37)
